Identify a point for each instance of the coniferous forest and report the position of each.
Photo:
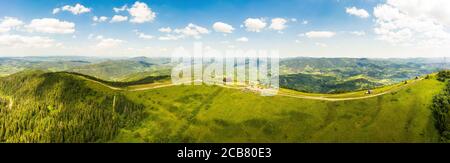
(441, 107)
(62, 109)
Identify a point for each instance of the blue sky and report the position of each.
(315, 28)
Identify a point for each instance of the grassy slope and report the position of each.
(214, 114)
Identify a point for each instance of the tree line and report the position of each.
(441, 106)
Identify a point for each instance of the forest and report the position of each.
(56, 107)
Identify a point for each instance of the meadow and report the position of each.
(215, 114)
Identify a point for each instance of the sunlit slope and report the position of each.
(215, 114)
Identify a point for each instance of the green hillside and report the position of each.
(215, 114)
(60, 107)
(57, 107)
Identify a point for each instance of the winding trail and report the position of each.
(150, 87)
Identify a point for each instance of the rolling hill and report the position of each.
(39, 106)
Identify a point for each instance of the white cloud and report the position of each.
(77, 9)
(422, 23)
(192, 30)
(141, 13)
(143, 35)
(170, 37)
(320, 34)
(242, 39)
(278, 24)
(99, 19)
(357, 12)
(8, 23)
(18, 41)
(293, 19)
(437, 10)
(108, 42)
(358, 33)
(56, 10)
(118, 18)
(51, 25)
(123, 8)
(304, 22)
(223, 27)
(254, 24)
(165, 30)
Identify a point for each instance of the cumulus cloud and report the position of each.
(278, 24)
(104, 43)
(18, 41)
(76, 9)
(417, 22)
(192, 30)
(51, 25)
(254, 24)
(8, 23)
(120, 9)
(223, 27)
(118, 18)
(99, 19)
(357, 12)
(141, 13)
(56, 10)
(242, 39)
(143, 35)
(320, 34)
(165, 30)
